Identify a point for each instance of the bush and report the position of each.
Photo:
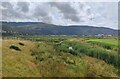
(21, 44)
(15, 48)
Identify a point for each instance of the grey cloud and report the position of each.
(23, 6)
(119, 12)
(81, 5)
(68, 11)
(88, 12)
(43, 13)
(39, 11)
(47, 19)
(7, 5)
(9, 12)
(119, 15)
(72, 17)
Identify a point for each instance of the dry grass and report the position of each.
(18, 63)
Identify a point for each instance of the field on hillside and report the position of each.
(60, 56)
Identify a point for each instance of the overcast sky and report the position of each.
(101, 14)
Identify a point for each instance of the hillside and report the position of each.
(38, 28)
(41, 59)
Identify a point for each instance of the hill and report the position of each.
(39, 28)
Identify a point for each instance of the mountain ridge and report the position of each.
(39, 28)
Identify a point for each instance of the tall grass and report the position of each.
(104, 45)
(107, 46)
(86, 49)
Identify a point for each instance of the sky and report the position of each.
(100, 14)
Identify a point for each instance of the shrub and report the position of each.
(21, 44)
(15, 48)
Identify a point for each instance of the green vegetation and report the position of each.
(65, 56)
(110, 44)
(107, 41)
(80, 48)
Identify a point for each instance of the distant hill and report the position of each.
(39, 28)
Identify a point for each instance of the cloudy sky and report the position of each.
(100, 14)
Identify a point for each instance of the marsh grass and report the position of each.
(81, 48)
